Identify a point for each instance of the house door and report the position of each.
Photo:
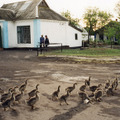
(0, 38)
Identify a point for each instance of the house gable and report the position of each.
(43, 4)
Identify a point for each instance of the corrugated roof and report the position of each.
(27, 10)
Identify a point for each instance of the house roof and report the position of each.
(6, 14)
(30, 9)
(79, 29)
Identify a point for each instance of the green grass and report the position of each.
(91, 52)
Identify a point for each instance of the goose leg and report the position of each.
(4, 109)
(32, 107)
(66, 102)
(60, 103)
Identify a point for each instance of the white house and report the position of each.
(22, 24)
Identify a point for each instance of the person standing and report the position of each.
(46, 41)
(41, 41)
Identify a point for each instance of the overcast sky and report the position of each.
(76, 7)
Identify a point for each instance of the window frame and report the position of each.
(76, 36)
(23, 38)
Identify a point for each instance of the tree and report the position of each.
(73, 21)
(112, 31)
(103, 18)
(90, 19)
(94, 19)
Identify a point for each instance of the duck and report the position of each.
(7, 95)
(13, 90)
(115, 84)
(88, 81)
(107, 84)
(18, 97)
(31, 102)
(109, 91)
(7, 104)
(70, 89)
(23, 87)
(82, 88)
(98, 94)
(1, 91)
(84, 96)
(33, 92)
(94, 87)
(55, 93)
(63, 98)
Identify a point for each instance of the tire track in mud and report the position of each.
(71, 112)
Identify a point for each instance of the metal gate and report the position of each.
(0, 38)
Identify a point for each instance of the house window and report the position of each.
(76, 36)
(23, 34)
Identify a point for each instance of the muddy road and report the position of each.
(50, 72)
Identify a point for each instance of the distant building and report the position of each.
(100, 33)
(22, 24)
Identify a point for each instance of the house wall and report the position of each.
(1, 25)
(60, 32)
(55, 30)
(71, 37)
(4, 29)
(37, 32)
(97, 37)
(12, 33)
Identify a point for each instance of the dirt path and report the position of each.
(49, 72)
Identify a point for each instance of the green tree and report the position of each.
(103, 18)
(112, 31)
(73, 21)
(94, 19)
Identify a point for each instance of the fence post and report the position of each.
(61, 47)
(37, 50)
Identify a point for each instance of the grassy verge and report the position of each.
(91, 52)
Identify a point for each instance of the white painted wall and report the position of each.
(12, 33)
(60, 32)
(97, 36)
(55, 30)
(71, 37)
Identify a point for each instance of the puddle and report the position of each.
(18, 74)
(27, 56)
(39, 71)
(21, 71)
(14, 56)
(64, 78)
(4, 79)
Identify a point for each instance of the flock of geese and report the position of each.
(9, 98)
(96, 91)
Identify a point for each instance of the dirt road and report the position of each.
(49, 72)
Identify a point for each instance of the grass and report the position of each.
(91, 52)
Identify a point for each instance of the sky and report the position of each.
(77, 7)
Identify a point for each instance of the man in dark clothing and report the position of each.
(46, 41)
